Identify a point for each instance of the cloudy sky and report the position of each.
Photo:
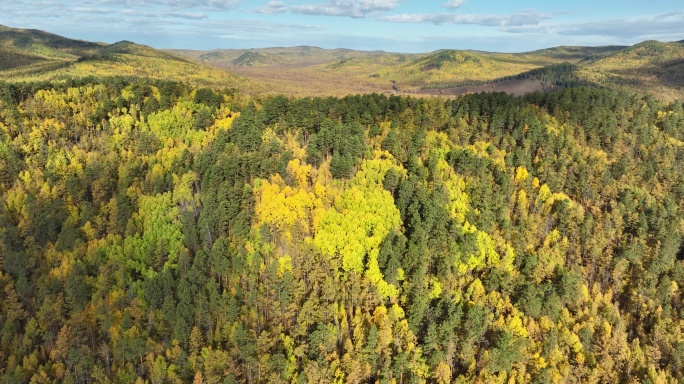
(390, 25)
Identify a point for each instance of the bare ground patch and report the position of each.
(517, 87)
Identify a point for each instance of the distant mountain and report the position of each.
(26, 47)
(306, 70)
(252, 59)
(45, 43)
(440, 59)
(650, 66)
(32, 55)
(446, 68)
(576, 54)
(276, 56)
(303, 69)
(647, 51)
(129, 48)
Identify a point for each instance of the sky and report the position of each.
(408, 26)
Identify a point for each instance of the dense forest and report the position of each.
(561, 75)
(152, 232)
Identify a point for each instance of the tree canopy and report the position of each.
(153, 232)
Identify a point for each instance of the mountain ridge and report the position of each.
(34, 55)
(649, 66)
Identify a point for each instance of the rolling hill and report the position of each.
(653, 67)
(316, 71)
(21, 48)
(44, 44)
(306, 70)
(33, 55)
(574, 54)
(456, 67)
(648, 67)
(162, 231)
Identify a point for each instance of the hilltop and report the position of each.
(305, 70)
(34, 49)
(161, 231)
(648, 67)
(575, 54)
(653, 67)
(33, 55)
(41, 45)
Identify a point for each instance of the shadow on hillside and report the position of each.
(667, 73)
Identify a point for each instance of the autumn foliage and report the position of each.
(154, 232)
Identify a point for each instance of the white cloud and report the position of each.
(378, 5)
(252, 26)
(490, 20)
(216, 4)
(272, 8)
(349, 8)
(176, 4)
(666, 24)
(187, 15)
(92, 10)
(453, 4)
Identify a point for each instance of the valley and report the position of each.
(653, 67)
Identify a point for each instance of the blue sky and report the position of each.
(390, 25)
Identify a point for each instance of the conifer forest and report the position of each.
(153, 231)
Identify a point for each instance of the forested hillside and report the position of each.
(650, 67)
(153, 232)
(29, 55)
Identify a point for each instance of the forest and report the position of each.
(156, 232)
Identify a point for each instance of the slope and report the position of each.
(311, 70)
(575, 54)
(314, 71)
(454, 66)
(25, 47)
(650, 66)
(32, 55)
(305, 70)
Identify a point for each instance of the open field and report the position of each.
(517, 87)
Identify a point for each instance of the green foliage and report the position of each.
(155, 232)
(33, 55)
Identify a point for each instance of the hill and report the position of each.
(153, 232)
(32, 55)
(650, 66)
(305, 70)
(45, 44)
(26, 47)
(647, 67)
(282, 56)
(317, 71)
(575, 54)
(454, 66)
(129, 48)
